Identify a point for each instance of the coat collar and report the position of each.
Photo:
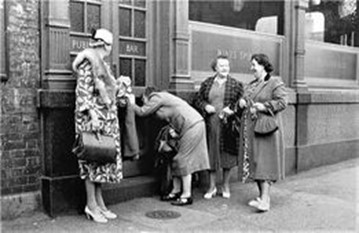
(260, 86)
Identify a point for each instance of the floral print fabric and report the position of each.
(87, 97)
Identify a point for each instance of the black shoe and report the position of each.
(171, 197)
(182, 201)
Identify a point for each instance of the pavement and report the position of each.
(323, 199)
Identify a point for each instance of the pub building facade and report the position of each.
(313, 45)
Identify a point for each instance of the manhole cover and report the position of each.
(163, 214)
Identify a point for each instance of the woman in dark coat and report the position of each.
(215, 101)
(192, 155)
(263, 155)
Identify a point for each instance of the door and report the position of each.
(128, 21)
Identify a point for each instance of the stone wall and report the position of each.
(327, 128)
(20, 128)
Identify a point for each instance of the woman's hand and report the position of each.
(227, 111)
(95, 124)
(131, 98)
(260, 106)
(210, 109)
(242, 103)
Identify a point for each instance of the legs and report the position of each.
(90, 194)
(262, 202)
(176, 185)
(94, 195)
(186, 196)
(264, 188)
(226, 178)
(182, 187)
(212, 185)
(96, 208)
(212, 181)
(99, 198)
(92, 209)
(186, 186)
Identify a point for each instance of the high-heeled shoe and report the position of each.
(226, 194)
(95, 217)
(108, 214)
(254, 202)
(263, 206)
(210, 194)
(182, 201)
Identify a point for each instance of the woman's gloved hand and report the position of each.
(210, 109)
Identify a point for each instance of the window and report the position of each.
(85, 15)
(132, 40)
(333, 21)
(251, 15)
(267, 25)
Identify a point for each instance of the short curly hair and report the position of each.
(263, 60)
(214, 62)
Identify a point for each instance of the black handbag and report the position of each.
(265, 124)
(94, 147)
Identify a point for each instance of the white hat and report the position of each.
(103, 35)
(125, 80)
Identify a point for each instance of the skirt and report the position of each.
(192, 154)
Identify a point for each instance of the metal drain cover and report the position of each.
(163, 214)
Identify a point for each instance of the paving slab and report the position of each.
(320, 200)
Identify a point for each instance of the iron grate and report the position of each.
(163, 214)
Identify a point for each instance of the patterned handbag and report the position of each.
(94, 147)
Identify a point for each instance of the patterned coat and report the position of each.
(233, 92)
(88, 97)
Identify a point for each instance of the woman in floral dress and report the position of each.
(96, 111)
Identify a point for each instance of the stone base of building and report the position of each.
(13, 206)
(62, 195)
(311, 156)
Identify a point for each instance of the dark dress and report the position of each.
(223, 144)
(218, 158)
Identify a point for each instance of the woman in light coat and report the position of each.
(263, 155)
(192, 155)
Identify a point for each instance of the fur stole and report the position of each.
(105, 83)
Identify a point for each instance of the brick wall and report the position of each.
(20, 128)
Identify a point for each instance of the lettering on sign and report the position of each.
(131, 48)
(238, 48)
(79, 44)
(235, 54)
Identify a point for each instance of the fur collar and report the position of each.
(105, 83)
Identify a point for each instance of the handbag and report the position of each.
(94, 147)
(265, 124)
